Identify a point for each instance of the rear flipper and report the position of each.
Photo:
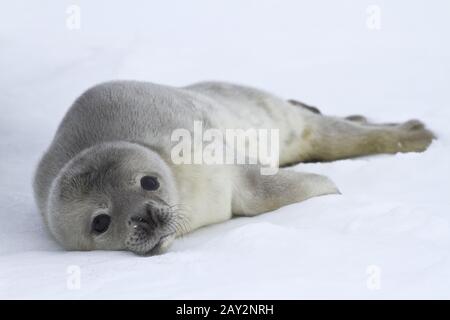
(255, 193)
(333, 138)
(305, 106)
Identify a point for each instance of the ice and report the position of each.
(392, 219)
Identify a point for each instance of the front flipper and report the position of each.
(254, 193)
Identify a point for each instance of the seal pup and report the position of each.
(107, 180)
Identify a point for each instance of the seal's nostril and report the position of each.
(138, 221)
(153, 216)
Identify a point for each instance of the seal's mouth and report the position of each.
(159, 248)
(161, 245)
(153, 230)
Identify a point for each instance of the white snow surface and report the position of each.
(389, 227)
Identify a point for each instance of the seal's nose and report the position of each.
(153, 216)
(139, 222)
(149, 220)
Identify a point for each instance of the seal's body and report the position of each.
(107, 181)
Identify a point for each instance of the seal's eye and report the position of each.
(101, 223)
(149, 183)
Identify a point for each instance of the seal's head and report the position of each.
(114, 196)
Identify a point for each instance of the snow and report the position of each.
(386, 236)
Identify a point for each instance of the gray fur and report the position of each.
(118, 131)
